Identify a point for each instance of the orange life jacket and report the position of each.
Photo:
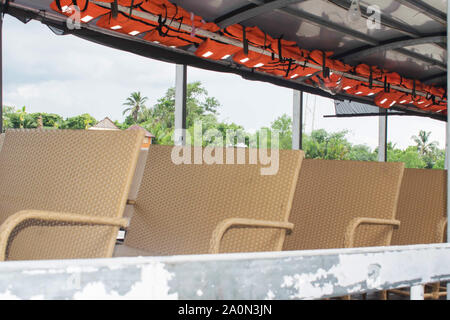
(88, 10)
(369, 71)
(328, 77)
(252, 59)
(124, 3)
(438, 92)
(171, 38)
(349, 84)
(125, 24)
(170, 12)
(387, 100)
(438, 108)
(407, 99)
(169, 35)
(253, 35)
(423, 102)
(363, 89)
(215, 50)
(288, 69)
(393, 78)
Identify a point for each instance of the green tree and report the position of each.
(329, 146)
(362, 153)
(198, 105)
(160, 120)
(135, 102)
(424, 145)
(410, 157)
(49, 120)
(80, 122)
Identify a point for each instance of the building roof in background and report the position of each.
(105, 124)
(137, 127)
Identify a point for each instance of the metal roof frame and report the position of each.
(138, 46)
(426, 9)
(281, 5)
(174, 55)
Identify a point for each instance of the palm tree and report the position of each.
(22, 113)
(135, 103)
(424, 146)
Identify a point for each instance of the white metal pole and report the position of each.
(180, 105)
(382, 137)
(297, 121)
(417, 292)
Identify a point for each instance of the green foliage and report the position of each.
(83, 121)
(135, 103)
(160, 121)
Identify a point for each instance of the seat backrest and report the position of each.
(136, 182)
(421, 207)
(179, 206)
(66, 171)
(330, 194)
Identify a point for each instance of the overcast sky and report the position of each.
(70, 76)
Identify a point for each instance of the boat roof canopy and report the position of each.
(403, 36)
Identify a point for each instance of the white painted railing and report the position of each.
(283, 275)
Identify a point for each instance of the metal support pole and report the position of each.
(180, 105)
(447, 160)
(417, 292)
(382, 136)
(297, 124)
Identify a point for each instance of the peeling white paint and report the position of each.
(295, 275)
(43, 271)
(304, 287)
(153, 285)
(7, 295)
(270, 295)
(85, 269)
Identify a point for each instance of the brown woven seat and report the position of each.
(422, 212)
(62, 193)
(201, 208)
(422, 208)
(341, 204)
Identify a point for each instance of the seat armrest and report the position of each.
(357, 222)
(16, 219)
(441, 230)
(227, 224)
